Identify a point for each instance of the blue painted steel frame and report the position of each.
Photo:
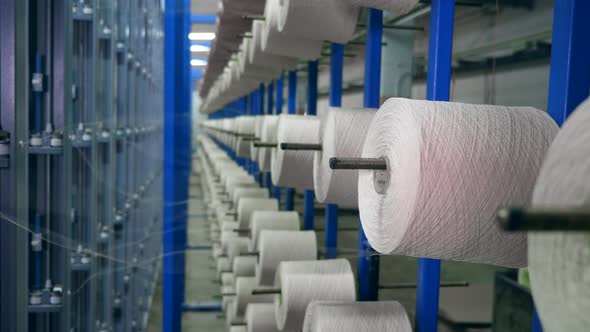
(312, 110)
(569, 80)
(438, 88)
(269, 111)
(279, 101)
(368, 265)
(336, 69)
(203, 19)
(291, 109)
(177, 151)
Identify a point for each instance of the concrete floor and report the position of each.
(465, 304)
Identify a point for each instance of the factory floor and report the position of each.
(472, 304)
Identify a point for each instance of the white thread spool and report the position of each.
(246, 206)
(272, 220)
(249, 192)
(260, 317)
(451, 166)
(244, 266)
(381, 316)
(236, 247)
(294, 169)
(231, 316)
(559, 262)
(257, 56)
(244, 288)
(399, 7)
(343, 135)
(223, 265)
(227, 299)
(282, 246)
(307, 281)
(275, 42)
(238, 328)
(268, 135)
(331, 20)
(257, 134)
(227, 279)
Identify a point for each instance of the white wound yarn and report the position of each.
(231, 316)
(227, 279)
(268, 134)
(244, 288)
(384, 316)
(282, 246)
(246, 206)
(232, 189)
(294, 169)
(257, 134)
(257, 56)
(399, 7)
(260, 317)
(307, 281)
(272, 220)
(244, 266)
(249, 192)
(227, 299)
(451, 167)
(236, 247)
(223, 265)
(229, 225)
(559, 262)
(275, 42)
(238, 328)
(343, 135)
(331, 20)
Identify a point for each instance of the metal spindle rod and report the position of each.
(358, 163)
(301, 147)
(253, 253)
(265, 145)
(410, 285)
(228, 294)
(544, 219)
(272, 291)
(241, 230)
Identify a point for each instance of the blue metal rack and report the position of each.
(291, 109)
(279, 101)
(336, 71)
(368, 265)
(269, 112)
(312, 105)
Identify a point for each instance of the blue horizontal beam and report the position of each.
(212, 307)
(203, 19)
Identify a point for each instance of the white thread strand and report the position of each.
(283, 246)
(260, 317)
(451, 167)
(307, 281)
(294, 169)
(247, 206)
(560, 261)
(272, 220)
(343, 135)
(385, 316)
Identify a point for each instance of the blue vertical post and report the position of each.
(270, 112)
(259, 111)
(336, 68)
(291, 109)
(312, 110)
(438, 88)
(569, 78)
(368, 265)
(279, 101)
(176, 158)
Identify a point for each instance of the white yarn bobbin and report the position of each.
(231, 316)
(275, 42)
(343, 135)
(260, 317)
(223, 265)
(257, 134)
(227, 299)
(559, 262)
(451, 166)
(249, 192)
(238, 328)
(244, 266)
(227, 279)
(399, 7)
(282, 246)
(257, 56)
(331, 20)
(236, 247)
(384, 316)
(294, 169)
(307, 281)
(246, 206)
(268, 135)
(272, 220)
(244, 288)
(231, 190)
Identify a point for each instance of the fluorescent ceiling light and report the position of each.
(199, 48)
(198, 63)
(201, 36)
